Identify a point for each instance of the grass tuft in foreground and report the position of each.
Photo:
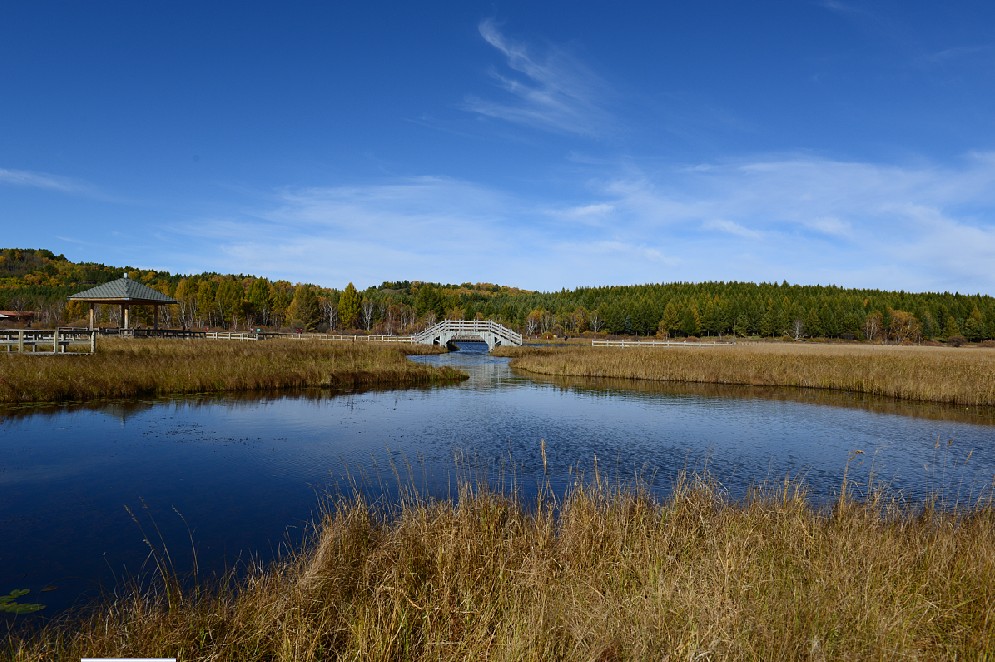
(601, 574)
(931, 374)
(124, 368)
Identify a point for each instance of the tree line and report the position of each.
(40, 281)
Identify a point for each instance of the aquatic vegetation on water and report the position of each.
(10, 605)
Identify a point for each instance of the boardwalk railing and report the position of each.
(231, 335)
(226, 335)
(657, 343)
(48, 341)
(348, 338)
(185, 334)
(444, 332)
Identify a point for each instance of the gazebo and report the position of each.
(126, 293)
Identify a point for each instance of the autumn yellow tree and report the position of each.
(904, 326)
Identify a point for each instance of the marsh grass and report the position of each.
(932, 374)
(601, 573)
(128, 368)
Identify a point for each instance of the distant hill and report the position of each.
(39, 280)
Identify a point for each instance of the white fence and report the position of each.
(657, 343)
(226, 335)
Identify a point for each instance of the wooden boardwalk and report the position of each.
(234, 335)
(48, 341)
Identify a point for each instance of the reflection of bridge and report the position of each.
(448, 332)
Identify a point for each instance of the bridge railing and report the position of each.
(457, 327)
(504, 332)
(428, 333)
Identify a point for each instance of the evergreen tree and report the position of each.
(258, 298)
(350, 307)
(951, 328)
(305, 311)
(428, 301)
(974, 326)
(281, 294)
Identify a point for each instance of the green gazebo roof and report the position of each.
(122, 290)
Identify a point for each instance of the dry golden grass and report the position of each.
(127, 368)
(935, 374)
(603, 575)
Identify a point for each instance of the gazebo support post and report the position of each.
(92, 316)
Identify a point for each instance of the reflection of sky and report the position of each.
(242, 472)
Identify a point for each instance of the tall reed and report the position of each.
(127, 368)
(937, 374)
(605, 573)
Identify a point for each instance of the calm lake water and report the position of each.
(244, 477)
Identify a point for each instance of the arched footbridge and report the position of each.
(448, 332)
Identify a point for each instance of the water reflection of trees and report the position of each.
(873, 403)
(125, 409)
(485, 376)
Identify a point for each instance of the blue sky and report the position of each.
(539, 145)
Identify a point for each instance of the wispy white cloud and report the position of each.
(906, 39)
(614, 247)
(45, 181)
(428, 228)
(423, 228)
(840, 7)
(795, 217)
(957, 53)
(553, 91)
(593, 214)
(819, 220)
(731, 227)
(829, 225)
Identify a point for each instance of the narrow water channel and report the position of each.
(81, 488)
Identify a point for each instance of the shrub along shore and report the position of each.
(930, 374)
(602, 574)
(124, 368)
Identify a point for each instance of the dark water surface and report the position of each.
(243, 477)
